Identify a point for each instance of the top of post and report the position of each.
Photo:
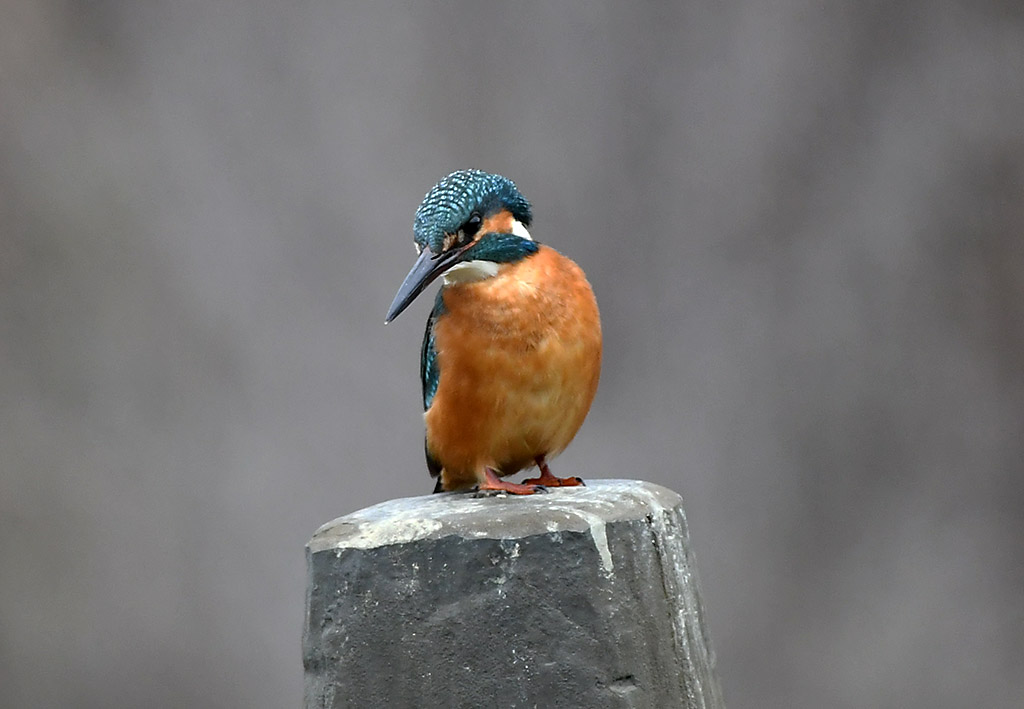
(576, 509)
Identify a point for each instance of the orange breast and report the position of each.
(520, 357)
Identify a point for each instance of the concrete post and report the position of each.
(583, 597)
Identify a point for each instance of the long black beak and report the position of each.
(426, 269)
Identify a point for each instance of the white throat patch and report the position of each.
(470, 271)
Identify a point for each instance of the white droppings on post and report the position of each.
(600, 535)
(562, 510)
(369, 535)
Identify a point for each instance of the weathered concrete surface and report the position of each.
(584, 597)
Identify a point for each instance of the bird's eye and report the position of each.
(472, 225)
(465, 233)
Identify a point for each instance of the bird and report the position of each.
(511, 355)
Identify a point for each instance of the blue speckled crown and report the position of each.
(450, 203)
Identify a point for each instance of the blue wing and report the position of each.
(430, 374)
(430, 371)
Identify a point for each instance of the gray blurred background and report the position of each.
(804, 223)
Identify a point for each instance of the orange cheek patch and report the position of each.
(500, 223)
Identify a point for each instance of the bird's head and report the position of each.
(466, 226)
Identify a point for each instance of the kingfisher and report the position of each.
(511, 355)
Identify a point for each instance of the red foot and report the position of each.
(548, 480)
(493, 482)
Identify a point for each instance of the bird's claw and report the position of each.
(551, 481)
(510, 489)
